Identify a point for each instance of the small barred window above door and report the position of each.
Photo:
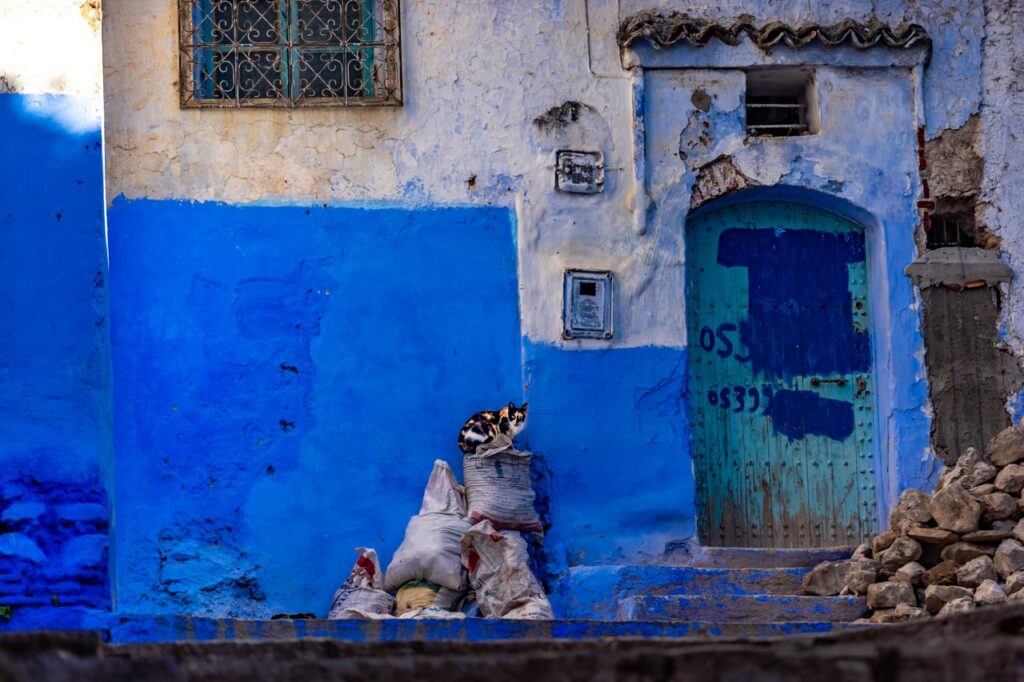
(290, 53)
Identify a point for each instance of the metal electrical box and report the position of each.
(587, 304)
(579, 172)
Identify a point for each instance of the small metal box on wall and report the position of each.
(579, 172)
(587, 304)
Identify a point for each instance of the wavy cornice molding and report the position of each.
(666, 30)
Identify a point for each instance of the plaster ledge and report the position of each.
(958, 267)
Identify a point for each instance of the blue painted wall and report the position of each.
(611, 427)
(54, 354)
(284, 379)
(285, 376)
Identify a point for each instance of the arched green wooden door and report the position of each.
(780, 379)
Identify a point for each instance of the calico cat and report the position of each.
(483, 428)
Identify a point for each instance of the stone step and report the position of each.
(123, 629)
(696, 580)
(680, 554)
(742, 608)
(593, 592)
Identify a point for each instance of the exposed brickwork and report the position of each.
(53, 544)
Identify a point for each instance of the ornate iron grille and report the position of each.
(289, 53)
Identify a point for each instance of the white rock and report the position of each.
(989, 592)
(1010, 479)
(961, 605)
(907, 611)
(863, 551)
(1018, 531)
(889, 594)
(937, 596)
(1014, 582)
(1009, 558)
(902, 551)
(910, 573)
(975, 572)
(954, 509)
(1006, 447)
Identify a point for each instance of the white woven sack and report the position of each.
(432, 613)
(361, 595)
(498, 489)
(430, 550)
(499, 573)
(360, 602)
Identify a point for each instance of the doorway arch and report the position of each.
(781, 370)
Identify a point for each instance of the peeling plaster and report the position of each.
(716, 179)
(953, 79)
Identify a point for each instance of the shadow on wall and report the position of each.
(54, 354)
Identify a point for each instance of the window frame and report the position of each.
(385, 39)
(779, 92)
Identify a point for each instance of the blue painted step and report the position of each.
(137, 628)
(698, 580)
(681, 554)
(593, 592)
(742, 608)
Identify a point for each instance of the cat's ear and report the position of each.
(524, 407)
(511, 406)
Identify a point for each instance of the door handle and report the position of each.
(818, 381)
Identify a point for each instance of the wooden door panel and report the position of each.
(781, 389)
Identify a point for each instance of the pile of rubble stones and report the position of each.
(955, 550)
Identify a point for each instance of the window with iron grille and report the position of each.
(288, 53)
(781, 102)
(951, 229)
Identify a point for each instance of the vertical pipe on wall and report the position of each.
(638, 197)
(108, 467)
(605, 61)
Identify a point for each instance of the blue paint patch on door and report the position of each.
(810, 283)
(798, 413)
(781, 391)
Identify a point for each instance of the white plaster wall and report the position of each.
(475, 78)
(1001, 201)
(956, 27)
(473, 82)
(50, 46)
